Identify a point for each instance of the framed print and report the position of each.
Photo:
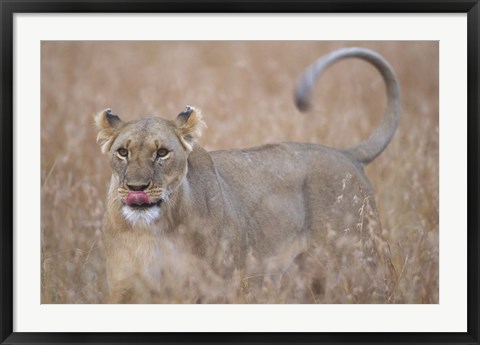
(237, 172)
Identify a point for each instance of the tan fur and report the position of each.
(271, 203)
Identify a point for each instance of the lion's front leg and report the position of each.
(131, 267)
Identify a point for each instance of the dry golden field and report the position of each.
(245, 91)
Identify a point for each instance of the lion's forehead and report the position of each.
(148, 134)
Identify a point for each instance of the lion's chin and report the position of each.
(141, 216)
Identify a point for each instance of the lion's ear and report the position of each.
(189, 126)
(107, 126)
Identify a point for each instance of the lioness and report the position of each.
(167, 194)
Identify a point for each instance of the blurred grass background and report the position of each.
(245, 90)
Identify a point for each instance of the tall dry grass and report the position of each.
(245, 92)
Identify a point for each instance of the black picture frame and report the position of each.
(9, 8)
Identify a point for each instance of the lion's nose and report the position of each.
(138, 186)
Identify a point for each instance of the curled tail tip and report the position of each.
(302, 95)
(302, 103)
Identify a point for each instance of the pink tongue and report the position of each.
(137, 198)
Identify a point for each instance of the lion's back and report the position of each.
(314, 187)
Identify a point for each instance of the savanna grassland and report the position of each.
(245, 90)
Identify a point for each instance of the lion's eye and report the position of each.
(162, 153)
(122, 152)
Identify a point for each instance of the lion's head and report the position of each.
(148, 158)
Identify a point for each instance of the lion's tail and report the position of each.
(370, 148)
